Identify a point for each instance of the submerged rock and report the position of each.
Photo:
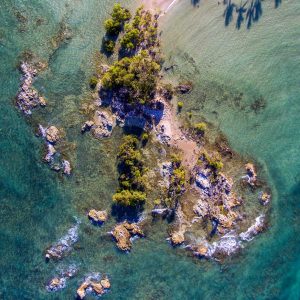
(59, 282)
(264, 198)
(64, 244)
(184, 88)
(66, 167)
(123, 232)
(97, 216)
(251, 174)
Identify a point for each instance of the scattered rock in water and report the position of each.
(97, 216)
(66, 167)
(123, 232)
(87, 126)
(50, 153)
(103, 124)
(251, 174)
(52, 134)
(264, 198)
(64, 244)
(93, 284)
(27, 97)
(176, 238)
(59, 281)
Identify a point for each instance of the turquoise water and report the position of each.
(38, 206)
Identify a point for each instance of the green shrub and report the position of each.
(109, 46)
(200, 127)
(180, 105)
(119, 16)
(129, 198)
(145, 138)
(138, 74)
(93, 82)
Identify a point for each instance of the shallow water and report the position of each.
(38, 206)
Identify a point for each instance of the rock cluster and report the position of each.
(99, 287)
(123, 232)
(59, 282)
(97, 216)
(27, 97)
(103, 124)
(52, 136)
(217, 199)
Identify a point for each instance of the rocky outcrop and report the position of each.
(93, 284)
(97, 216)
(27, 97)
(123, 232)
(177, 238)
(52, 134)
(103, 124)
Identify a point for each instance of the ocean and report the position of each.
(246, 82)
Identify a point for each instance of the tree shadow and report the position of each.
(277, 3)
(228, 12)
(248, 12)
(195, 2)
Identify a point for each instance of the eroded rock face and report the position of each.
(52, 134)
(103, 124)
(123, 232)
(97, 216)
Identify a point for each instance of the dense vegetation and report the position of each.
(137, 74)
(136, 71)
(119, 16)
(131, 180)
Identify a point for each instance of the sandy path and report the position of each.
(179, 140)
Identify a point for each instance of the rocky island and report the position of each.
(196, 181)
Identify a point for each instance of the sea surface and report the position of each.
(246, 82)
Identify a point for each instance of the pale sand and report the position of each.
(187, 146)
(159, 6)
